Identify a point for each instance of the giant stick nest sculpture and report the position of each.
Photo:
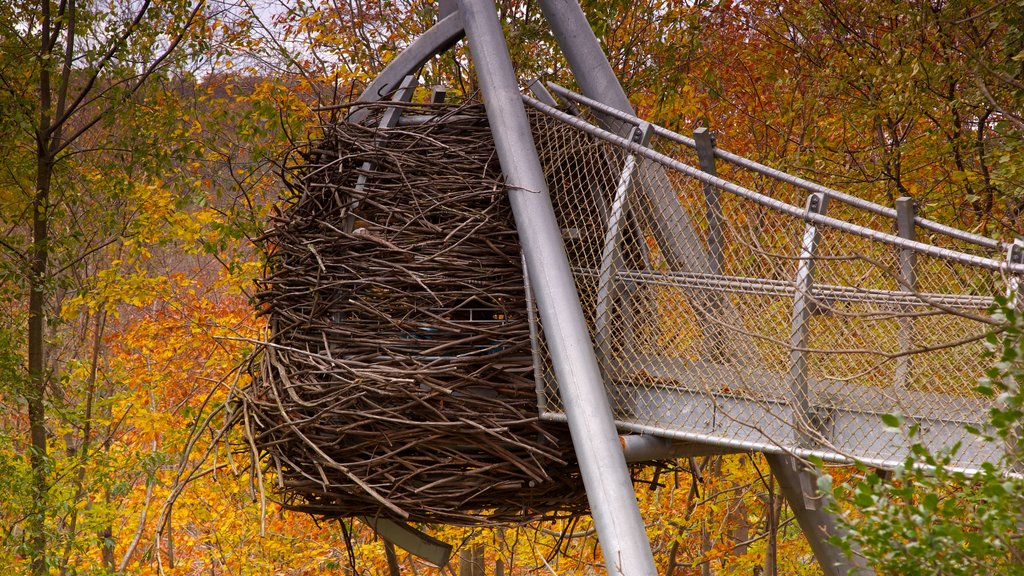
(397, 377)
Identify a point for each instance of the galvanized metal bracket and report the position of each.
(611, 254)
(411, 540)
(805, 422)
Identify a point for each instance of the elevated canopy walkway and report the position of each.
(674, 291)
(735, 305)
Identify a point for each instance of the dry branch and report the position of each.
(397, 378)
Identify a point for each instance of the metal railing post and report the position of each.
(620, 528)
(1011, 443)
(705, 141)
(438, 94)
(1014, 255)
(906, 211)
(803, 306)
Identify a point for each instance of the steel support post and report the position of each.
(611, 255)
(411, 540)
(906, 212)
(799, 486)
(798, 482)
(1014, 255)
(438, 94)
(597, 80)
(620, 527)
(705, 144)
(586, 59)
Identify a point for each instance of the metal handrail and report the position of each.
(759, 168)
(769, 202)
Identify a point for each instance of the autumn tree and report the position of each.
(136, 131)
(69, 71)
(883, 100)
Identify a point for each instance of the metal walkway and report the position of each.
(730, 306)
(735, 305)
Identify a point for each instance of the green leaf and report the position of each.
(892, 420)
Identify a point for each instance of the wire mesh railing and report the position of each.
(761, 311)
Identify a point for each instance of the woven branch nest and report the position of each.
(398, 377)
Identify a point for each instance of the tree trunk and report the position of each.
(36, 394)
(705, 547)
(471, 560)
(106, 538)
(393, 567)
(773, 507)
(499, 563)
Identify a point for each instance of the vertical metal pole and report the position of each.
(906, 210)
(538, 363)
(1014, 255)
(800, 326)
(798, 483)
(799, 487)
(705, 141)
(620, 527)
(712, 199)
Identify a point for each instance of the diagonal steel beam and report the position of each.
(438, 38)
(620, 528)
(799, 487)
(675, 233)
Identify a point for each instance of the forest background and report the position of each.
(140, 143)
